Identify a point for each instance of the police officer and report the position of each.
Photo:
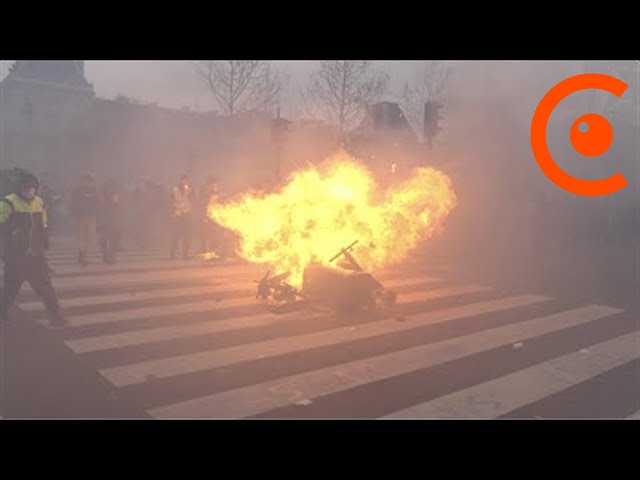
(24, 241)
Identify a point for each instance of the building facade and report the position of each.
(52, 123)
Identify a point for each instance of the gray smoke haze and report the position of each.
(510, 217)
(173, 83)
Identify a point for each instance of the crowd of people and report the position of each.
(115, 218)
(104, 214)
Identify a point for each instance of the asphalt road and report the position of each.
(474, 335)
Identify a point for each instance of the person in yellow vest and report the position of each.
(183, 198)
(25, 239)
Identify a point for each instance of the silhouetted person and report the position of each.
(110, 222)
(85, 203)
(24, 241)
(182, 216)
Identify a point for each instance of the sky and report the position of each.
(174, 83)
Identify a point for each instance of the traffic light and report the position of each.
(431, 118)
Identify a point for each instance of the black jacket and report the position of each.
(85, 203)
(24, 226)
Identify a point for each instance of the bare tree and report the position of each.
(430, 83)
(340, 91)
(242, 85)
(5, 67)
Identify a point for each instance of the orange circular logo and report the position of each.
(591, 135)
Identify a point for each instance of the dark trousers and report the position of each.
(209, 237)
(109, 244)
(33, 270)
(181, 231)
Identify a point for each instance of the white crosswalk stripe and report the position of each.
(497, 397)
(220, 304)
(64, 267)
(118, 278)
(177, 293)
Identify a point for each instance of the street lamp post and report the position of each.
(279, 128)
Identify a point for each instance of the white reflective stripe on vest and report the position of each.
(181, 201)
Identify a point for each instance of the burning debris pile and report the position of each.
(346, 287)
(210, 256)
(321, 209)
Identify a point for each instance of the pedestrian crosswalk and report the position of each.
(259, 398)
(496, 397)
(188, 339)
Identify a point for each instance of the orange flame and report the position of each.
(321, 210)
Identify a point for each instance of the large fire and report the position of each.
(321, 210)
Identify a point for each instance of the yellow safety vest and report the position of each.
(181, 201)
(24, 225)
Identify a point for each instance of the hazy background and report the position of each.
(511, 223)
(172, 83)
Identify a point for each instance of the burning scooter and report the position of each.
(346, 287)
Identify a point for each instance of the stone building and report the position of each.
(52, 123)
